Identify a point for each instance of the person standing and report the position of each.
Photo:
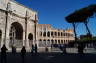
(81, 47)
(64, 49)
(46, 49)
(35, 48)
(23, 52)
(3, 54)
(13, 49)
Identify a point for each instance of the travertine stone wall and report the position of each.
(17, 13)
(56, 36)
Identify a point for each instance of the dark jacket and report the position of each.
(23, 51)
(3, 50)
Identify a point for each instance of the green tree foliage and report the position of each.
(82, 14)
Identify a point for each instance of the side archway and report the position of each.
(30, 37)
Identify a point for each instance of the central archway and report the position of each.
(16, 35)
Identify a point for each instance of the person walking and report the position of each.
(23, 52)
(3, 54)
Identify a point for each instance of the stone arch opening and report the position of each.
(52, 41)
(58, 34)
(62, 42)
(16, 35)
(44, 34)
(44, 40)
(61, 34)
(40, 33)
(51, 33)
(55, 33)
(55, 41)
(40, 40)
(16, 31)
(58, 41)
(30, 37)
(48, 42)
(48, 34)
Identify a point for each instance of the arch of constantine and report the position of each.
(17, 25)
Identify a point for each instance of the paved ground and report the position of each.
(75, 50)
(52, 58)
(55, 57)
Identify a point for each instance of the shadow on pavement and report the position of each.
(51, 58)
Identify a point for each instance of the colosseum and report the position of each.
(48, 36)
